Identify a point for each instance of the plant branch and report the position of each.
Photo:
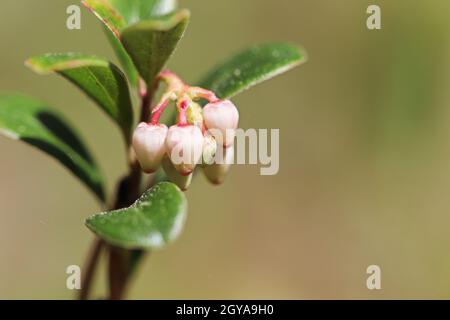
(90, 267)
(118, 272)
(145, 107)
(128, 191)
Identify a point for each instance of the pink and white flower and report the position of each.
(184, 145)
(222, 116)
(149, 145)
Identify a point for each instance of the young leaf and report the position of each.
(134, 11)
(124, 58)
(29, 120)
(252, 66)
(153, 221)
(106, 12)
(101, 80)
(118, 14)
(113, 23)
(151, 43)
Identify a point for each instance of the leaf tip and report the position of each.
(112, 26)
(34, 66)
(302, 53)
(184, 13)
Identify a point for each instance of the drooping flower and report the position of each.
(184, 145)
(149, 145)
(217, 172)
(223, 116)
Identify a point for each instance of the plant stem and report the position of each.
(145, 107)
(128, 190)
(118, 273)
(90, 267)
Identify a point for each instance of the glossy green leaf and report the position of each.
(153, 221)
(252, 66)
(105, 11)
(113, 23)
(134, 11)
(151, 43)
(101, 80)
(24, 118)
(118, 14)
(124, 58)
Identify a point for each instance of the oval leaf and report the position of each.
(151, 43)
(31, 121)
(134, 11)
(106, 12)
(252, 66)
(124, 58)
(113, 23)
(118, 14)
(153, 221)
(101, 80)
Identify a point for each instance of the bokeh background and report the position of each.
(364, 169)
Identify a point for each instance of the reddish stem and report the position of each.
(90, 267)
(182, 107)
(173, 81)
(156, 114)
(197, 92)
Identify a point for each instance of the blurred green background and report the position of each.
(364, 165)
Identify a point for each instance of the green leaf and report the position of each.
(151, 43)
(118, 14)
(134, 11)
(252, 66)
(123, 57)
(153, 221)
(24, 118)
(101, 80)
(107, 14)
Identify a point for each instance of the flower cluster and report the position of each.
(195, 139)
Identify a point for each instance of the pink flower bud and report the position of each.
(184, 147)
(149, 145)
(223, 116)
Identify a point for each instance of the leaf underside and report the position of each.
(153, 221)
(31, 121)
